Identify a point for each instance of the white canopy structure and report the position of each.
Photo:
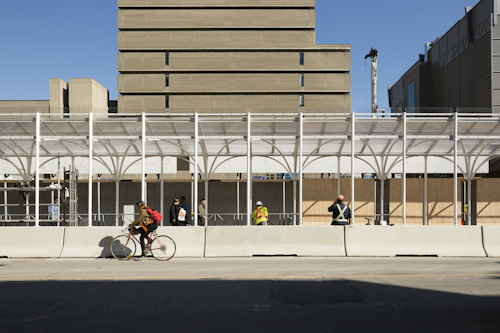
(207, 141)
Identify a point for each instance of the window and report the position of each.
(167, 59)
(301, 100)
(302, 58)
(167, 80)
(411, 97)
(167, 102)
(301, 80)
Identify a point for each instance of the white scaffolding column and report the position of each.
(404, 168)
(143, 158)
(455, 171)
(162, 190)
(249, 169)
(195, 171)
(37, 171)
(338, 176)
(91, 147)
(425, 193)
(353, 120)
(301, 147)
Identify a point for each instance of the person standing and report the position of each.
(260, 215)
(174, 213)
(183, 204)
(341, 213)
(202, 214)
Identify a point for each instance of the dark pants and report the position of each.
(340, 223)
(152, 227)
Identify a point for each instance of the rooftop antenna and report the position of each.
(374, 56)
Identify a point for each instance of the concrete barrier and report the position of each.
(378, 241)
(243, 241)
(491, 239)
(31, 242)
(94, 242)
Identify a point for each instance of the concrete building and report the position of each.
(222, 56)
(460, 69)
(75, 96)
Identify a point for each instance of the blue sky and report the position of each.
(65, 39)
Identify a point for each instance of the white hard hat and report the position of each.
(259, 203)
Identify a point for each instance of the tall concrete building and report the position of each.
(460, 69)
(227, 56)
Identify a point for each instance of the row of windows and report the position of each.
(167, 59)
(167, 101)
(167, 80)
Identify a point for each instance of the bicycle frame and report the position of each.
(152, 236)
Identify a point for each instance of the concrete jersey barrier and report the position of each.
(31, 242)
(244, 241)
(491, 239)
(94, 242)
(446, 241)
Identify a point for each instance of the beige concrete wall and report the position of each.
(233, 61)
(215, 3)
(235, 103)
(58, 88)
(200, 40)
(16, 107)
(86, 95)
(241, 82)
(216, 18)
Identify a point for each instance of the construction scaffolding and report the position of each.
(207, 141)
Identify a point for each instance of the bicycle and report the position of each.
(123, 247)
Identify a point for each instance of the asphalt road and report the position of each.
(251, 295)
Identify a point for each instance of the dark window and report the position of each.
(411, 97)
(167, 60)
(301, 80)
(301, 100)
(302, 58)
(167, 102)
(167, 81)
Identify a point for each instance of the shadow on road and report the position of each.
(275, 306)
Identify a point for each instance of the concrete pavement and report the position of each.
(251, 295)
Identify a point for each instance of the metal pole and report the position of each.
(426, 222)
(455, 169)
(295, 202)
(143, 158)
(284, 203)
(91, 147)
(162, 190)
(37, 172)
(195, 171)
(5, 201)
(238, 200)
(99, 200)
(469, 201)
(301, 185)
(117, 202)
(206, 203)
(338, 175)
(382, 193)
(58, 190)
(353, 120)
(375, 201)
(249, 169)
(404, 168)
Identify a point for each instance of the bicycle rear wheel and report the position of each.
(122, 247)
(163, 248)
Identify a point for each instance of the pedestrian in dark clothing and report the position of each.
(341, 213)
(174, 213)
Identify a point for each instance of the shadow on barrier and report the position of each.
(105, 244)
(211, 305)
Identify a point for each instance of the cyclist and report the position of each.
(145, 225)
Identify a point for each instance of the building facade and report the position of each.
(459, 70)
(227, 56)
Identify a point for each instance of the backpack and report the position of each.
(155, 215)
(182, 215)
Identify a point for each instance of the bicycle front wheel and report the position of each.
(163, 248)
(122, 247)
